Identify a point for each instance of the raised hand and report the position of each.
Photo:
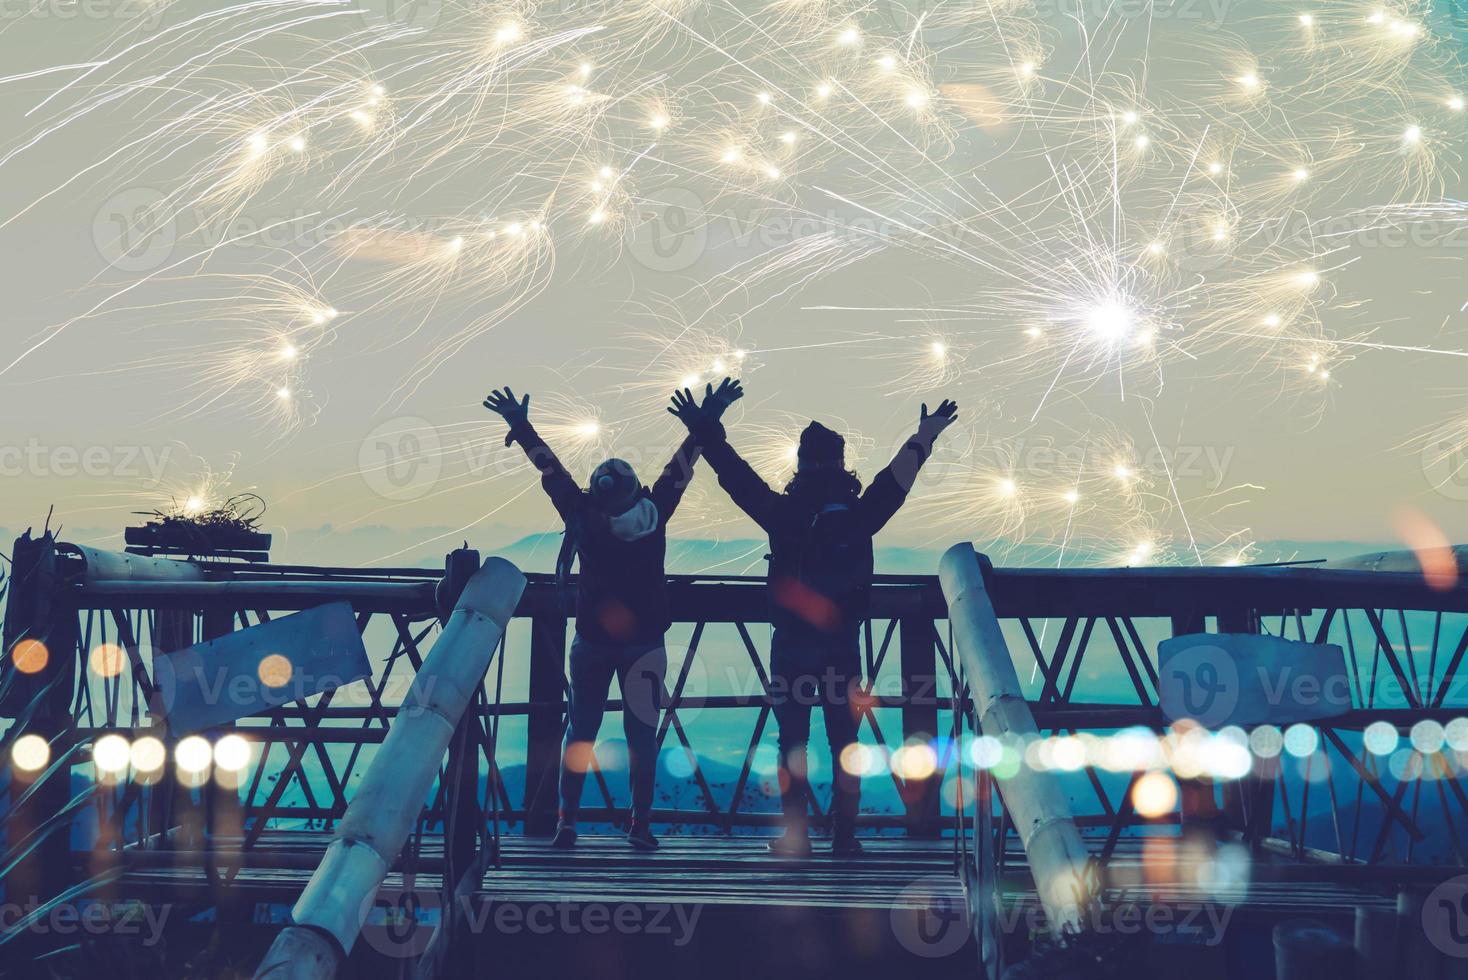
(717, 401)
(931, 426)
(515, 413)
(685, 409)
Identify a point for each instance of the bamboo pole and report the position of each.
(1037, 804)
(120, 566)
(328, 916)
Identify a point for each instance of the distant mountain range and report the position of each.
(375, 544)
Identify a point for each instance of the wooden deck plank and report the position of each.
(737, 871)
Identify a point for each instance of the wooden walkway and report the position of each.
(707, 906)
(892, 872)
(703, 870)
(724, 871)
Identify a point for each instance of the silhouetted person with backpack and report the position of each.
(821, 529)
(618, 529)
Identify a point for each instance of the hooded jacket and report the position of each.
(786, 518)
(622, 589)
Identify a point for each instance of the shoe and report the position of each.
(795, 841)
(565, 837)
(791, 845)
(845, 846)
(641, 838)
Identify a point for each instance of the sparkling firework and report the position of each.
(1068, 213)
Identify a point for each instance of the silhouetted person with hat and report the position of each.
(618, 529)
(820, 573)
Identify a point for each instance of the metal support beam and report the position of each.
(919, 660)
(544, 727)
(37, 676)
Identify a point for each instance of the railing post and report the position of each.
(544, 726)
(39, 683)
(170, 804)
(461, 801)
(226, 816)
(1196, 804)
(919, 662)
(1259, 784)
(462, 816)
(464, 857)
(984, 888)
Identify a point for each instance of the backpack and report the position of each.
(834, 556)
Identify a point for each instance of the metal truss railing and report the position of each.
(1092, 636)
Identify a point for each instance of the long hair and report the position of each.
(566, 557)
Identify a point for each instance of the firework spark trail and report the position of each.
(459, 531)
(55, 331)
(1074, 496)
(1172, 486)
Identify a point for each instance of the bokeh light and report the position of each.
(1154, 795)
(107, 660)
(1427, 736)
(1301, 740)
(30, 656)
(193, 754)
(274, 670)
(148, 754)
(111, 754)
(1266, 741)
(231, 753)
(1380, 738)
(30, 752)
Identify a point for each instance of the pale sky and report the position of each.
(687, 256)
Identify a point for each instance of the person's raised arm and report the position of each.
(559, 485)
(739, 480)
(674, 480)
(888, 490)
(668, 490)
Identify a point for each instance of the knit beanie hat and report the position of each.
(614, 486)
(820, 448)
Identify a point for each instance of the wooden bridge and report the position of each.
(234, 851)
